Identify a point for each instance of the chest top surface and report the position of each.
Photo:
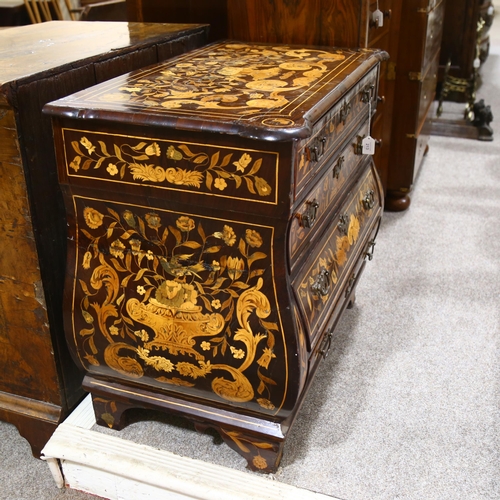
(254, 90)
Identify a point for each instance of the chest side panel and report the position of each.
(169, 166)
(179, 301)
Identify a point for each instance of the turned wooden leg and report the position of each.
(397, 201)
(261, 454)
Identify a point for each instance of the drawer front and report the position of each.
(177, 301)
(434, 32)
(319, 283)
(333, 129)
(312, 212)
(118, 160)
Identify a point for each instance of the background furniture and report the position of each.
(416, 71)
(13, 13)
(461, 36)
(39, 384)
(464, 49)
(111, 10)
(221, 210)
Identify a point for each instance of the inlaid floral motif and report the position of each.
(161, 297)
(230, 77)
(164, 163)
(334, 256)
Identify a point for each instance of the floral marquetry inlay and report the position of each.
(229, 172)
(267, 85)
(177, 299)
(232, 77)
(318, 285)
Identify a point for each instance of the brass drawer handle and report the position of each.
(308, 218)
(317, 150)
(326, 344)
(350, 285)
(345, 111)
(321, 286)
(369, 250)
(338, 167)
(343, 224)
(367, 93)
(369, 200)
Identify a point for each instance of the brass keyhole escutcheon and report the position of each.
(345, 110)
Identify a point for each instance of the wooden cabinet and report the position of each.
(220, 213)
(39, 384)
(416, 77)
(464, 48)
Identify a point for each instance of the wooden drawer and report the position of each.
(318, 284)
(206, 170)
(333, 128)
(316, 205)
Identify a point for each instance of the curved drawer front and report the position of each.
(318, 284)
(317, 204)
(333, 129)
(178, 301)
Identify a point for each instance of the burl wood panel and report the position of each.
(312, 22)
(39, 383)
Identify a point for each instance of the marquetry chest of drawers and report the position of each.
(220, 212)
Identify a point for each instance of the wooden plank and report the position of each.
(115, 468)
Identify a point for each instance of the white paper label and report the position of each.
(368, 145)
(491, 9)
(378, 18)
(477, 62)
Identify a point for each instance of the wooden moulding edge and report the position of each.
(31, 408)
(115, 468)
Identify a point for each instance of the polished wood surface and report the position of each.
(311, 22)
(190, 288)
(416, 80)
(213, 13)
(39, 383)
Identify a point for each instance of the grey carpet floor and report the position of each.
(407, 404)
